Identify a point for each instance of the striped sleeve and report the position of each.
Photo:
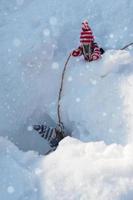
(96, 52)
(77, 52)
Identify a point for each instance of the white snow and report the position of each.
(55, 66)
(46, 32)
(36, 38)
(70, 79)
(10, 189)
(76, 170)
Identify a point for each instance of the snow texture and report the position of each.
(76, 170)
(96, 107)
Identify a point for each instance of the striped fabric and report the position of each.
(88, 48)
(77, 52)
(95, 52)
(46, 132)
(52, 135)
(86, 37)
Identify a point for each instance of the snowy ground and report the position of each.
(36, 38)
(76, 170)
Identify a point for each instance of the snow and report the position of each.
(70, 79)
(55, 66)
(76, 170)
(96, 162)
(10, 189)
(53, 21)
(46, 32)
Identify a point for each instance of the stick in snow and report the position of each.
(126, 46)
(61, 88)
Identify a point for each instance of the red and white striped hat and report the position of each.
(86, 35)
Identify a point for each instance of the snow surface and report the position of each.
(36, 38)
(76, 170)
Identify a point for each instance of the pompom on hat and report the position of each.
(85, 25)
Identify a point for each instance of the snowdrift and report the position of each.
(97, 108)
(36, 37)
(76, 170)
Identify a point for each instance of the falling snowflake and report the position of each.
(70, 79)
(16, 42)
(35, 190)
(29, 128)
(125, 28)
(104, 114)
(55, 65)
(111, 35)
(110, 130)
(9, 50)
(93, 82)
(38, 171)
(53, 21)
(46, 32)
(54, 46)
(10, 189)
(78, 99)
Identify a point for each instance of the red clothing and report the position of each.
(94, 55)
(86, 37)
(88, 48)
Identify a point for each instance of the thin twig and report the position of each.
(126, 46)
(61, 88)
